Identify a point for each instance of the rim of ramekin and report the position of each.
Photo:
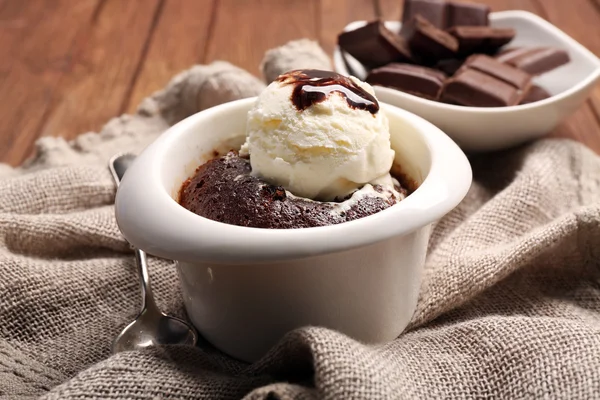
(153, 221)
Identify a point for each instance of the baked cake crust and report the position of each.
(223, 189)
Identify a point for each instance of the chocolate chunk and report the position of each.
(434, 11)
(427, 42)
(481, 39)
(537, 60)
(488, 65)
(374, 45)
(483, 81)
(467, 14)
(420, 81)
(449, 66)
(470, 87)
(534, 94)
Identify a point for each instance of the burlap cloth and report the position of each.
(509, 307)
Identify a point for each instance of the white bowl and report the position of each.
(485, 129)
(244, 288)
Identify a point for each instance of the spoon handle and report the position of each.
(147, 298)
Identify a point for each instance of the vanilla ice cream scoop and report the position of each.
(319, 134)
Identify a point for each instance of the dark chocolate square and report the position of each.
(481, 39)
(488, 65)
(541, 60)
(374, 45)
(428, 43)
(434, 11)
(420, 81)
(470, 87)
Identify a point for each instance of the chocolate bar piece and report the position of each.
(535, 61)
(434, 11)
(467, 14)
(449, 66)
(488, 65)
(481, 39)
(374, 45)
(420, 81)
(427, 42)
(534, 94)
(443, 14)
(470, 87)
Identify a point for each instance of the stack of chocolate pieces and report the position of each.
(447, 51)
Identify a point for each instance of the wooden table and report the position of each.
(67, 66)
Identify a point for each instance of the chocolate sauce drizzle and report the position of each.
(314, 86)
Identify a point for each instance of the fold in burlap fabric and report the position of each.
(509, 306)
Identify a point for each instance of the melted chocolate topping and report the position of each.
(314, 86)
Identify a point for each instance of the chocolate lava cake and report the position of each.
(224, 190)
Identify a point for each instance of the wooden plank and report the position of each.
(244, 30)
(103, 68)
(504, 5)
(178, 42)
(334, 15)
(595, 100)
(36, 44)
(392, 9)
(583, 126)
(580, 19)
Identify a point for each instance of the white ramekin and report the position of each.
(244, 288)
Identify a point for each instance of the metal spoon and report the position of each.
(151, 327)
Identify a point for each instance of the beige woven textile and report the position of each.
(509, 307)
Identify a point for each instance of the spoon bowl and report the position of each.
(150, 329)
